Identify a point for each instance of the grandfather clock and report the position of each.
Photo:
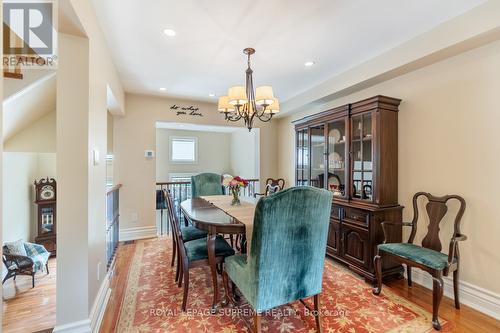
(45, 194)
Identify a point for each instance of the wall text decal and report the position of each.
(186, 110)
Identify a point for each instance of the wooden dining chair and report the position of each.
(189, 233)
(287, 255)
(428, 256)
(194, 253)
(272, 186)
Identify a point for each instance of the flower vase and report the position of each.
(236, 196)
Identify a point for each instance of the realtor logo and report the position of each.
(28, 28)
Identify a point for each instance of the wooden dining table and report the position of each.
(215, 220)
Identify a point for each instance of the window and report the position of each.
(183, 150)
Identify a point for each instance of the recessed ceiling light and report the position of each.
(169, 32)
(163, 89)
(211, 95)
(309, 63)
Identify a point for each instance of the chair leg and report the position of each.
(225, 281)
(317, 313)
(257, 326)
(33, 280)
(408, 273)
(378, 273)
(15, 275)
(180, 273)
(174, 253)
(47, 268)
(437, 294)
(455, 288)
(185, 271)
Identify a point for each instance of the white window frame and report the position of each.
(190, 138)
(186, 175)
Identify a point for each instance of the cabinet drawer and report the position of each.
(357, 216)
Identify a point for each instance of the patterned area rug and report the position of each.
(152, 303)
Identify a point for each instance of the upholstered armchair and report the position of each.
(287, 252)
(428, 256)
(272, 186)
(27, 260)
(206, 184)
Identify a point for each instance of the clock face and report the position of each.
(47, 192)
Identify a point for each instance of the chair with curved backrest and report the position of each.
(427, 257)
(288, 251)
(189, 233)
(194, 253)
(272, 186)
(206, 184)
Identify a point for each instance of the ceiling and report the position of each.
(206, 55)
(28, 100)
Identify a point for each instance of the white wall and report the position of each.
(448, 144)
(245, 156)
(213, 153)
(19, 172)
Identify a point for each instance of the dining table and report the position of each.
(216, 215)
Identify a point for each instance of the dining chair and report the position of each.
(194, 253)
(428, 256)
(287, 252)
(272, 186)
(206, 184)
(189, 233)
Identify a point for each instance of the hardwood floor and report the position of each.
(27, 309)
(465, 320)
(118, 283)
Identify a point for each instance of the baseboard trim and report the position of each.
(92, 324)
(137, 233)
(471, 295)
(100, 303)
(82, 326)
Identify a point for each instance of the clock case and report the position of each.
(46, 215)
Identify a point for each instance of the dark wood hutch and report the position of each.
(352, 151)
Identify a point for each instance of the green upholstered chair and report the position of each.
(287, 252)
(428, 256)
(194, 253)
(206, 184)
(188, 233)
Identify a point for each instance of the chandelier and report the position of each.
(246, 103)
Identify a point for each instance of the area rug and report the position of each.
(152, 303)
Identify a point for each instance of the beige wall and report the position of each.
(244, 150)
(448, 144)
(136, 132)
(40, 136)
(20, 170)
(73, 184)
(213, 153)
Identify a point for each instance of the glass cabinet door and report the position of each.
(337, 158)
(318, 156)
(302, 158)
(362, 157)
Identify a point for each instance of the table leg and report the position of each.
(213, 268)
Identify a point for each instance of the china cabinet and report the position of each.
(352, 151)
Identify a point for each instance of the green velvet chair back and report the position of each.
(206, 184)
(288, 245)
